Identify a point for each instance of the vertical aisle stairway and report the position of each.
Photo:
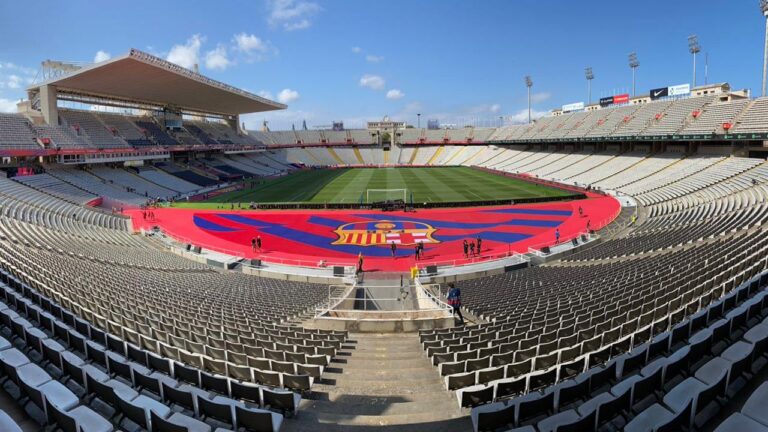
(382, 382)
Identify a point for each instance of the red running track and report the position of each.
(305, 237)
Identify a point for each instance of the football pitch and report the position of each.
(350, 186)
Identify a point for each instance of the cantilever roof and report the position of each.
(143, 78)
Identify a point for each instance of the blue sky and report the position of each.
(456, 61)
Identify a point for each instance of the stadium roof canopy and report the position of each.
(141, 79)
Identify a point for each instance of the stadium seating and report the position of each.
(53, 186)
(17, 133)
(93, 129)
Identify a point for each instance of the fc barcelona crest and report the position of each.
(381, 233)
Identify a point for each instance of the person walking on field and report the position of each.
(479, 245)
(454, 300)
(557, 235)
(253, 244)
(466, 249)
(418, 252)
(421, 249)
(394, 249)
(472, 248)
(258, 242)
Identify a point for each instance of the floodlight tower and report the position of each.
(764, 10)
(694, 48)
(529, 84)
(590, 76)
(634, 63)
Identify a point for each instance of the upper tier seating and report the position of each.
(97, 133)
(16, 133)
(158, 135)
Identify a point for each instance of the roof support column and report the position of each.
(49, 104)
(234, 123)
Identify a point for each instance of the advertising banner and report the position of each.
(573, 107)
(659, 93)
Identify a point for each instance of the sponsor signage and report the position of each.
(679, 90)
(659, 93)
(573, 107)
(676, 90)
(614, 100)
(620, 99)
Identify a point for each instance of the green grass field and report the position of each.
(346, 186)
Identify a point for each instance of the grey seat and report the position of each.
(138, 409)
(755, 407)
(683, 395)
(712, 370)
(177, 422)
(12, 359)
(7, 424)
(551, 423)
(648, 420)
(257, 420)
(738, 422)
(286, 401)
(77, 419)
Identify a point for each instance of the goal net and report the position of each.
(383, 195)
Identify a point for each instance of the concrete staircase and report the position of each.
(381, 381)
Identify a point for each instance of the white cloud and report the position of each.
(7, 105)
(373, 82)
(540, 97)
(287, 96)
(265, 94)
(15, 67)
(395, 94)
(101, 56)
(14, 82)
(494, 108)
(292, 14)
(299, 25)
(217, 59)
(188, 54)
(370, 58)
(357, 50)
(249, 43)
(522, 116)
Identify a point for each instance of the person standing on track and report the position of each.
(472, 248)
(479, 245)
(417, 252)
(253, 244)
(394, 249)
(466, 249)
(258, 242)
(557, 236)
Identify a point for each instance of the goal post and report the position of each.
(382, 195)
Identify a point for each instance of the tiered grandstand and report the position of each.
(659, 321)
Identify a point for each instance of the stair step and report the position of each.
(380, 406)
(352, 419)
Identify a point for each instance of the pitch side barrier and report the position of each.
(531, 179)
(423, 205)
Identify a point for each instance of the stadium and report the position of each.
(163, 267)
